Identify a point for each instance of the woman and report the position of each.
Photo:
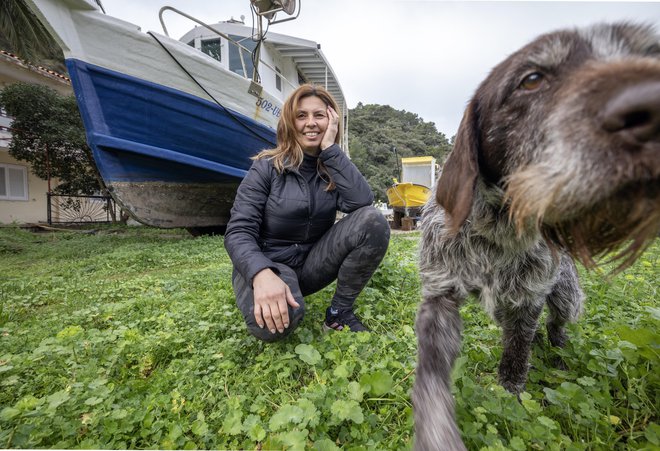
(282, 237)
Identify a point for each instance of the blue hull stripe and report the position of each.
(108, 142)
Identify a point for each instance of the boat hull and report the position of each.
(167, 205)
(407, 195)
(169, 158)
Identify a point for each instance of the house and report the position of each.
(23, 196)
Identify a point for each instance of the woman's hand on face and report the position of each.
(271, 296)
(332, 130)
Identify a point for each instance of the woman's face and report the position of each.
(311, 122)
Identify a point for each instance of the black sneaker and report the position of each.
(342, 319)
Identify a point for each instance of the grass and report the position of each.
(129, 338)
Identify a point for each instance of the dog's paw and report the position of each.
(515, 388)
(559, 363)
(557, 336)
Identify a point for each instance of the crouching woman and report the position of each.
(282, 236)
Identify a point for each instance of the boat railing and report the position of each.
(241, 47)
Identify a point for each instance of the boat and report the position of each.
(407, 197)
(172, 124)
(406, 194)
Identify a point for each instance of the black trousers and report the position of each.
(349, 252)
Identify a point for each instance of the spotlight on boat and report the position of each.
(268, 8)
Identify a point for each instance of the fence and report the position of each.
(64, 209)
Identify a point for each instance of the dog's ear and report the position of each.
(455, 190)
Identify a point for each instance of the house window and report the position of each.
(278, 79)
(212, 48)
(13, 182)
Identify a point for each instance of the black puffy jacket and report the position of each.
(279, 217)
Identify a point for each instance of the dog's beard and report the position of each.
(617, 229)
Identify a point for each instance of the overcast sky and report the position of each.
(422, 56)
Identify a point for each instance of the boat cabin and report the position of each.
(286, 61)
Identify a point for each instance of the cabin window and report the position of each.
(212, 48)
(235, 62)
(13, 182)
(278, 79)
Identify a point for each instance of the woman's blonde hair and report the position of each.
(288, 154)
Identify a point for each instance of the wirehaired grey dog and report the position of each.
(557, 157)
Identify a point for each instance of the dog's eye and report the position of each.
(532, 81)
(653, 50)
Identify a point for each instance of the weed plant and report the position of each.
(129, 338)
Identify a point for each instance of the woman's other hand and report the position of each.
(332, 130)
(271, 296)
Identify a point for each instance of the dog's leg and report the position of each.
(518, 330)
(564, 302)
(439, 339)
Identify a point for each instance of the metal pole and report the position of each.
(398, 169)
(49, 217)
(48, 167)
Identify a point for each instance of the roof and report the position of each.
(311, 63)
(16, 60)
(417, 160)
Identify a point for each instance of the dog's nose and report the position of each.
(635, 111)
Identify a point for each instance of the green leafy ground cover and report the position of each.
(129, 338)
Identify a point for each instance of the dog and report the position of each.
(557, 159)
